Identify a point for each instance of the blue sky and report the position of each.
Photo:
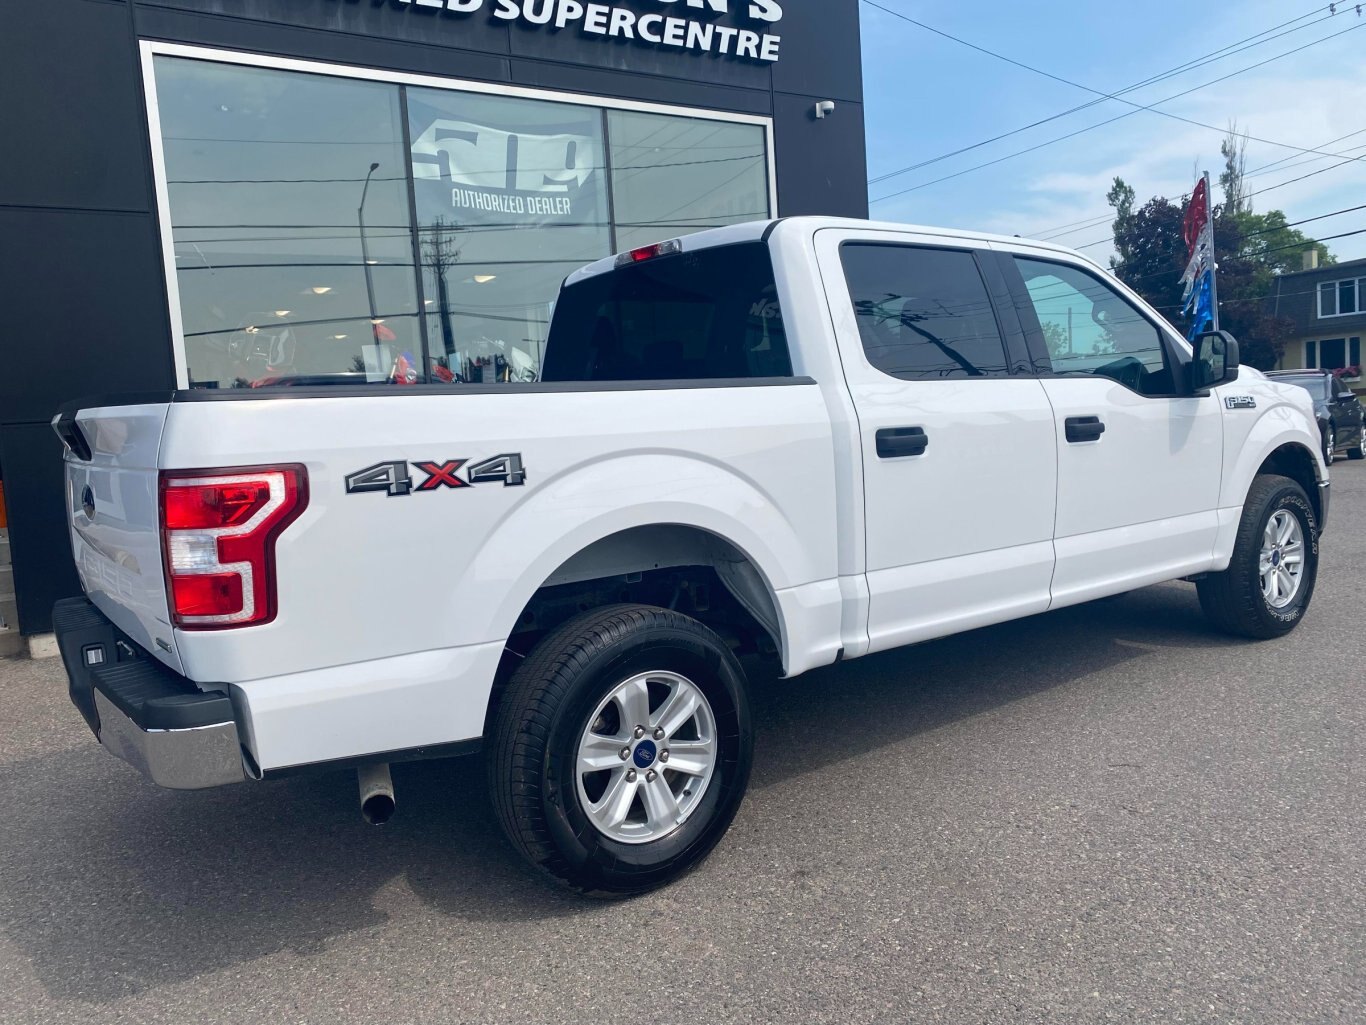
(926, 96)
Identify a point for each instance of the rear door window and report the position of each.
(923, 314)
(705, 315)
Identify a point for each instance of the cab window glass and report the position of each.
(923, 314)
(702, 315)
(1089, 328)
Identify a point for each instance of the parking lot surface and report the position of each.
(1106, 813)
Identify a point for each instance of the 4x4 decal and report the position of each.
(393, 478)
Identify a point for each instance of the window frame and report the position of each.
(1315, 361)
(1177, 358)
(151, 49)
(1015, 359)
(1333, 287)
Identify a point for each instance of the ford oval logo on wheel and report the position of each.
(88, 502)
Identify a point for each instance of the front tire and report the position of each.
(1270, 580)
(1330, 445)
(1357, 452)
(621, 749)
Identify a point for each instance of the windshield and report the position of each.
(703, 315)
(1315, 384)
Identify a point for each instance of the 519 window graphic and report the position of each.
(394, 480)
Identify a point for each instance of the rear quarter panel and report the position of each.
(369, 576)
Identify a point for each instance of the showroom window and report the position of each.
(329, 229)
(290, 217)
(511, 198)
(672, 176)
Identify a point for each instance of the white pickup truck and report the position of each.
(810, 439)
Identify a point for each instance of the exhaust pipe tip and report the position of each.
(378, 809)
(376, 793)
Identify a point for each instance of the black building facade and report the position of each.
(253, 193)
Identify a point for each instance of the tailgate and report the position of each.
(111, 501)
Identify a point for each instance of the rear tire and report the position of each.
(1252, 597)
(1330, 445)
(1358, 453)
(576, 702)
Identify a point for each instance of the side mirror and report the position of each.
(1216, 360)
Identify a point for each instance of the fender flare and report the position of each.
(579, 502)
(1281, 429)
(1278, 428)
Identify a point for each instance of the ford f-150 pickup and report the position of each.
(810, 439)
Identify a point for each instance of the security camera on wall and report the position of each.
(824, 109)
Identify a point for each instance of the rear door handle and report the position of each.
(895, 442)
(1084, 428)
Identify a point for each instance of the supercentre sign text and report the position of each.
(656, 28)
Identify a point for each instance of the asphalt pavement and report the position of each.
(1103, 814)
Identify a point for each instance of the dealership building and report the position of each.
(261, 193)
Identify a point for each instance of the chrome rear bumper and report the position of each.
(175, 734)
(188, 759)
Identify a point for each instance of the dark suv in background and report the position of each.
(1338, 410)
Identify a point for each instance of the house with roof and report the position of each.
(1327, 305)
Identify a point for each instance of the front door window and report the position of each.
(1089, 328)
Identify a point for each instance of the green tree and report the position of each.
(1234, 151)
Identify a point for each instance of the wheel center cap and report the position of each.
(1276, 557)
(644, 755)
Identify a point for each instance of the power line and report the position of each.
(1270, 295)
(1292, 181)
(1170, 73)
(1084, 220)
(1138, 107)
(1048, 236)
(1277, 249)
(1266, 168)
(1300, 163)
(1262, 231)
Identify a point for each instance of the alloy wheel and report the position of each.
(1281, 564)
(646, 757)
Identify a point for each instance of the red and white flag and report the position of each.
(1198, 231)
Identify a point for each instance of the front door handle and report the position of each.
(1084, 428)
(895, 442)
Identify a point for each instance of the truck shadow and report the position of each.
(115, 887)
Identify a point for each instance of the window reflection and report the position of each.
(266, 174)
(923, 313)
(511, 197)
(675, 175)
(303, 205)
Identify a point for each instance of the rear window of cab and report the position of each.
(711, 314)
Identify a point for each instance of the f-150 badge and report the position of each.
(1240, 402)
(393, 478)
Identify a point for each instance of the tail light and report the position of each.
(218, 533)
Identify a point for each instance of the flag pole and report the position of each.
(1213, 267)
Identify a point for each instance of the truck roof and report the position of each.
(751, 231)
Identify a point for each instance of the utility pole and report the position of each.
(440, 252)
(365, 257)
(1213, 264)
